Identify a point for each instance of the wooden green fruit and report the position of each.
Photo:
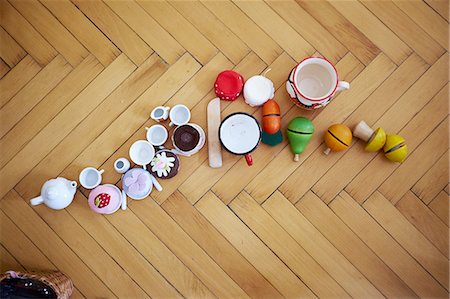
(299, 132)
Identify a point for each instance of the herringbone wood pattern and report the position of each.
(79, 78)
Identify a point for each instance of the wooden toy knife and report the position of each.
(214, 147)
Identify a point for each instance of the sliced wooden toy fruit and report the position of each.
(299, 133)
(375, 139)
(395, 148)
(337, 138)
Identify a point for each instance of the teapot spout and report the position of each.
(37, 201)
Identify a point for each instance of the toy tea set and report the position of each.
(311, 85)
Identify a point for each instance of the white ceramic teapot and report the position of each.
(56, 194)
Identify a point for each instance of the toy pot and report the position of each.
(56, 194)
(240, 134)
(313, 83)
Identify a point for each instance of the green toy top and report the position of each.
(299, 132)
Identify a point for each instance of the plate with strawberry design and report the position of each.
(107, 199)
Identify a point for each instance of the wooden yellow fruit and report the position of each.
(395, 148)
(375, 139)
(337, 138)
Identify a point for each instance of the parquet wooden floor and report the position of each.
(79, 79)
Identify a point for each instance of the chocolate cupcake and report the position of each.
(165, 164)
(186, 138)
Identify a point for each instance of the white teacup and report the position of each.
(313, 83)
(142, 152)
(157, 135)
(179, 115)
(90, 177)
(160, 113)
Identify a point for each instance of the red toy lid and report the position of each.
(228, 85)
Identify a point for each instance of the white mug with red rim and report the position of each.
(313, 83)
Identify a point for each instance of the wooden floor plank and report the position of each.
(374, 29)
(116, 30)
(190, 38)
(419, 161)
(280, 31)
(8, 262)
(153, 250)
(279, 169)
(47, 240)
(17, 78)
(137, 267)
(434, 229)
(48, 108)
(313, 32)
(352, 247)
(428, 19)
(332, 172)
(201, 264)
(116, 138)
(218, 248)
(213, 29)
(440, 6)
(52, 30)
(10, 51)
(407, 236)
(285, 247)
(4, 68)
(22, 31)
(350, 36)
(22, 248)
(45, 141)
(148, 29)
(241, 25)
(440, 206)
(394, 119)
(433, 181)
(251, 247)
(414, 36)
(83, 30)
(13, 111)
(385, 246)
(319, 247)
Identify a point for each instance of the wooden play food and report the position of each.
(228, 85)
(337, 138)
(395, 148)
(271, 120)
(258, 90)
(271, 123)
(299, 133)
(375, 139)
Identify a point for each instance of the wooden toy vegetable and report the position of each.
(271, 123)
(337, 138)
(299, 132)
(375, 139)
(395, 148)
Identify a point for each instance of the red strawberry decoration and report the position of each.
(102, 200)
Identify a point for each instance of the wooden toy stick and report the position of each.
(363, 131)
(214, 148)
(327, 151)
(296, 157)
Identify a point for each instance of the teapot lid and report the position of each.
(105, 199)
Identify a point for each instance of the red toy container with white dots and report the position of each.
(107, 199)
